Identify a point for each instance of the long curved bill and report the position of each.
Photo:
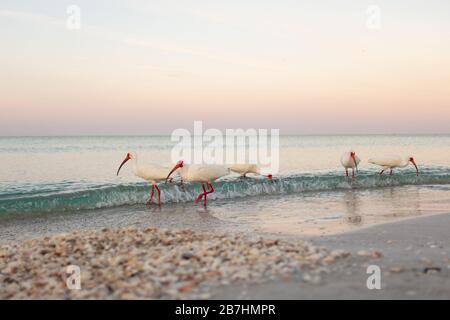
(123, 162)
(415, 165)
(172, 171)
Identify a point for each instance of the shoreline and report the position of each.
(290, 216)
(412, 254)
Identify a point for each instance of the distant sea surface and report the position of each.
(75, 174)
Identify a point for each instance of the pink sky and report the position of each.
(155, 69)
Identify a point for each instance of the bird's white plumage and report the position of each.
(152, 173)
(245, 168)
(347, 161)
(203, 172)
(390, 162)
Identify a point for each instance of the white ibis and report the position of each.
(391, 162)
(204, 174)
(245, 168)
(350, 160)
(151, 173)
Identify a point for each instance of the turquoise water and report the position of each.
(67, 174)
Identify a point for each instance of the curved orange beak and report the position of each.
(123, 162)
(415, 165)
(177, 166)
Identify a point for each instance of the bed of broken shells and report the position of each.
(151, 263)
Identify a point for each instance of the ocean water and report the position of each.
(55, 175)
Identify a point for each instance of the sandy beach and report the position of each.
(413, 256)
(139, 261)
(150, 263)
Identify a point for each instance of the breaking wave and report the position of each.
(78, 195)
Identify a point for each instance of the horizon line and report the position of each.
(168, 134)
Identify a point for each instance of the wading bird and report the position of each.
(392, 162)
(245, 168)
(203, 174)
(350, 160)
(151, 173)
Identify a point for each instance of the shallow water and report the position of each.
(67, 175)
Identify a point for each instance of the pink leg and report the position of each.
(201, 195)
(346, 172)
(159, 195)
(205, 193)
(151, 194)
(391, 172)
(381, 172)
(353, 172)
(211, 190)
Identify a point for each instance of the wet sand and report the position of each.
(134, 262)
(414, 262)
(411, 251)
(297, 215)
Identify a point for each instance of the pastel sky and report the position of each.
(149, 67)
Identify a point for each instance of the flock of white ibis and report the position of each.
(205, 174)
(350, 160)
